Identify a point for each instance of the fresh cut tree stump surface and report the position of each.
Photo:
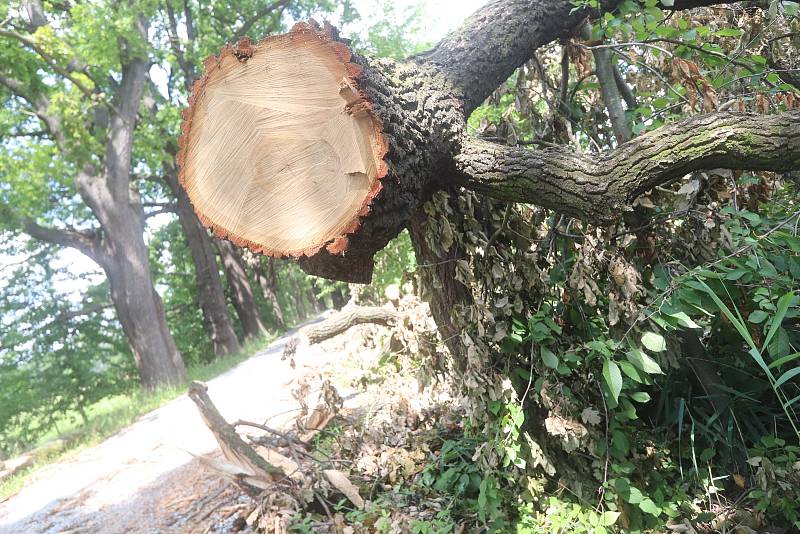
(280, 151)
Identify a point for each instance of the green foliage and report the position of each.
(393, 266)
(396, 33)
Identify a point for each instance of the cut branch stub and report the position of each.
(280, 150)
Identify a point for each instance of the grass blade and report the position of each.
(780, 313)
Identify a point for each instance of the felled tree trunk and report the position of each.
(330, 156)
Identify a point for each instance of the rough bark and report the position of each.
(241, 290)
(211, 296)
(348, 318)
(122, 252)
(422, 104)
(597, 188)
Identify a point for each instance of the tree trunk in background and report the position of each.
(139, 308)
(265, 276)
(317, 305)
(211, 296)
(338, 298)
(241, 291)
(299, 300)
(117, 245)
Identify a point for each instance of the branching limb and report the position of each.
(86, 242)
(39, 106)
(598, 188)
(260, 14)
(31, 43)
(348, 318)
(504, 34)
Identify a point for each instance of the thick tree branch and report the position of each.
(597, 188)
(347, 318)
(86, 242)
(504, 34)
(495, 41)
(127, 100)
(50, 60)
(39, 106)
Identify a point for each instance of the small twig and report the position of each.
(602, 489)
(499, 231)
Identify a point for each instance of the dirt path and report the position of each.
(145, 478)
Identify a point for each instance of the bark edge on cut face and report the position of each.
(286, 164)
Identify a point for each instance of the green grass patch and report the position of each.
(109, 415)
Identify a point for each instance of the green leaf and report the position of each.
(641, 396)
(785, 359)
(735, 320)
(631, 371)
(788, 375)
(613, 378)
(649, 507)
(783, 307)
(644, 362)
(757, 316)
(668, 3)
(684, 320)
(654, 342)
(728, 32)
(780, 345)
(549, 359)
(609, 518)
(756, 355)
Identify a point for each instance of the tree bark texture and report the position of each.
(423, 104)
(211, 296)
(598, 188)
(241, 290)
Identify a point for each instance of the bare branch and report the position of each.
(260, 14)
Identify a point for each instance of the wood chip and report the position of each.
(343, 484)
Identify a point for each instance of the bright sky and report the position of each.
(439, 17)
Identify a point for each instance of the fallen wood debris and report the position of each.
(347, 318)
(246, 467)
